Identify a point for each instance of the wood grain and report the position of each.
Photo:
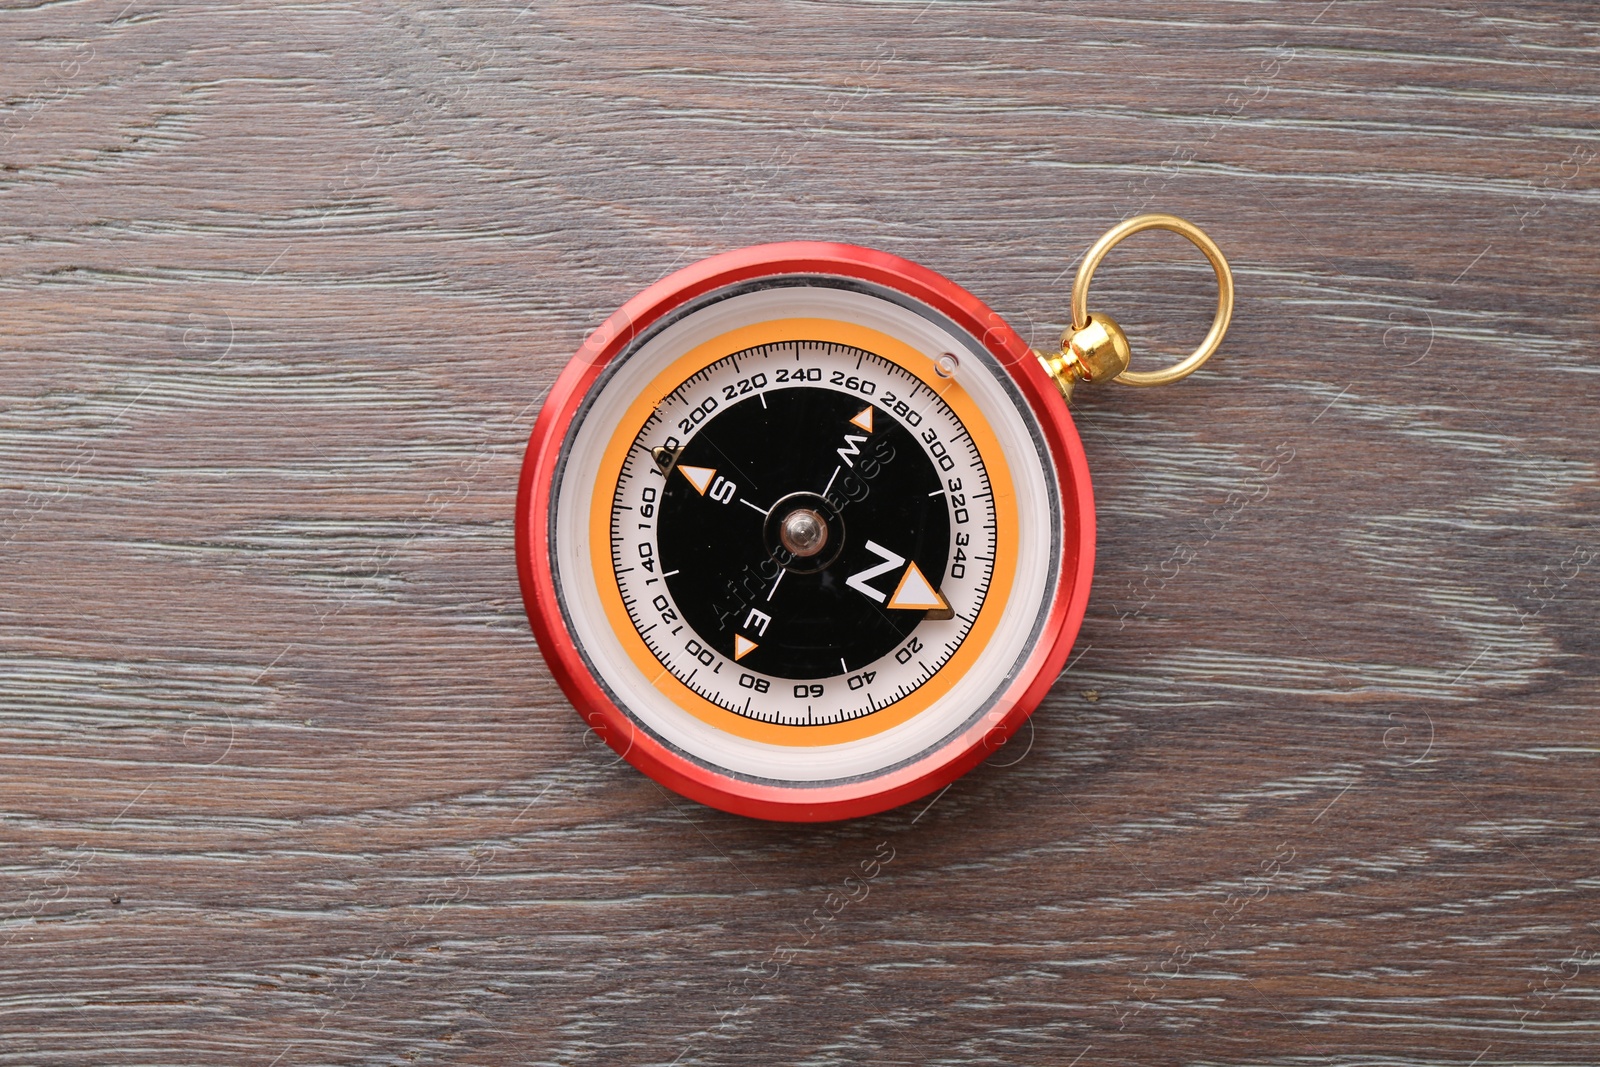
(285, 781)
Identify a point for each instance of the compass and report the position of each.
(805, 530)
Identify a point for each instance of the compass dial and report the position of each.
(803, 533)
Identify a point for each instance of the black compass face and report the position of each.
(785, 524)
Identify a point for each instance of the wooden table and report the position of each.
(285, 780)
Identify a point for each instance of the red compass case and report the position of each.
(805, 531)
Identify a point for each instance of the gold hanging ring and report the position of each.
(1219, 325)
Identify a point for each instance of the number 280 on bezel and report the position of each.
(805, 531)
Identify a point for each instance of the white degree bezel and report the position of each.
(893, 394)
(1032, 587)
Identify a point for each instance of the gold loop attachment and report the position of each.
(1082, 320)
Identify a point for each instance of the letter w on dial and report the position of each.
(859, 580)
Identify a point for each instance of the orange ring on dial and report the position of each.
(919, 364)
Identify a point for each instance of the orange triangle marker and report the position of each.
(699, 477)
(914, 593)
(743, 646)
(863, 420)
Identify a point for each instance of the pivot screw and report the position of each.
(803, 532)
